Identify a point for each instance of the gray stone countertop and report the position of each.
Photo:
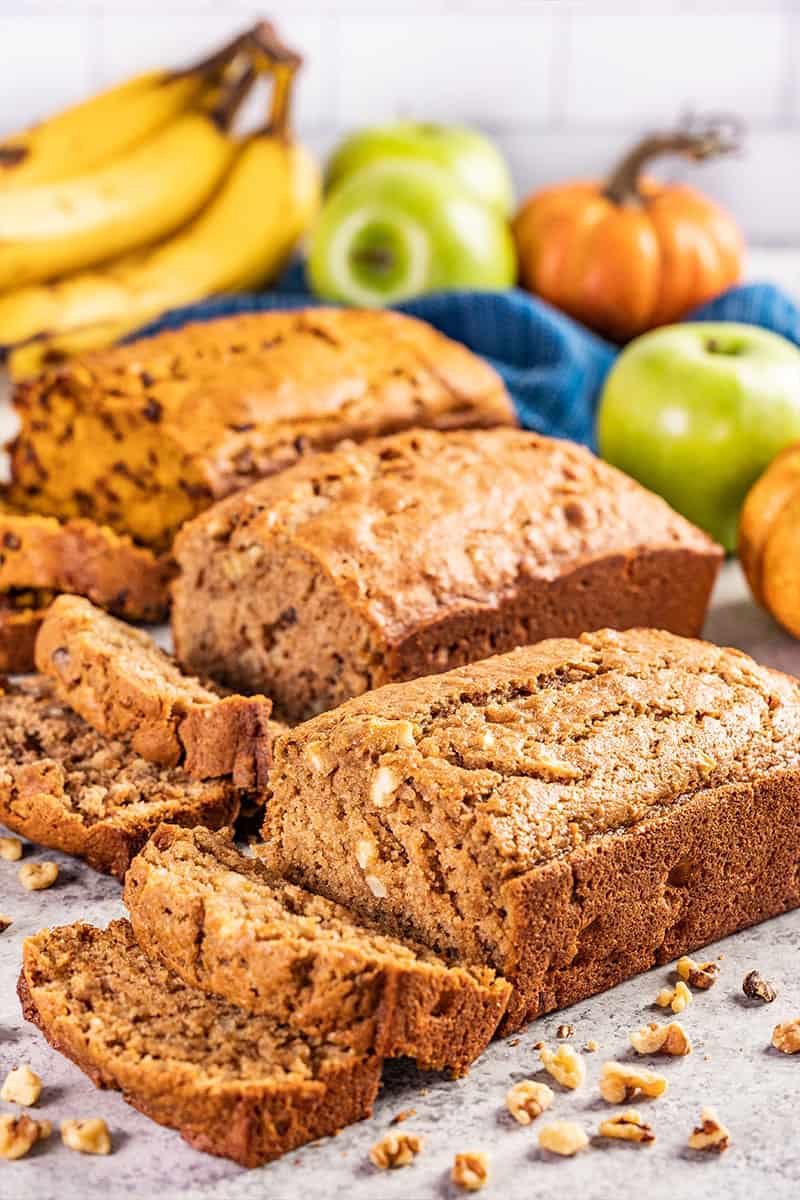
(754, 1088)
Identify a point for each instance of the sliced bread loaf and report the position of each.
(64, 785)
(570, 813)
(124, 685)
(224, 924)
(234, 1084)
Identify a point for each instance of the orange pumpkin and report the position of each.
(631, 253)
(769, 539)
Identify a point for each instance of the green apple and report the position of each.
(465, 153)
(399, 228)
(696, 412)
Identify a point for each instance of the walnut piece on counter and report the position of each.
(10, 849)
(22, 1086)
(528, 1099)
(5, 922)
(786, 1036)
(470, 1170)
(564, 1064)
(36, 876)
(698, 975)
(757, 988)
(18, 1135)
(661, 1039)
(710, 1134)
(88, 1137)
(621, 1082)
(565, 1031)
(395, 1150)
(675, 998)
(564, 1138)
(628, 1126)
(403, 1115)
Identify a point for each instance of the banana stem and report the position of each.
(280, 107)
(232, 96)
(215, 63)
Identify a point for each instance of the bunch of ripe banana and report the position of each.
(143, 199)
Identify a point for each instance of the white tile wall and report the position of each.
(562, 84)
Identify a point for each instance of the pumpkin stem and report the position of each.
(696, 140)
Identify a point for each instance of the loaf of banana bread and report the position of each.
(225, 925)
(124, 685)
(234, 1084)
(570, 813)
(144, 436)
(420, 552)
(64, 786)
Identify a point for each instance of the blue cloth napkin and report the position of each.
(553, 367)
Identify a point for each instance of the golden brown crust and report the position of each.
(226, 926)
(82, 557)
(124, 685)
(568, 812)
(163, 426)
(416, 553)
(233, 1084)
(64, 786)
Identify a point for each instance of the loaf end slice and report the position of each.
(570, 813)
(120, 681)
(233, 1084)
(22, 612)
(88, 559)
(64, 785)
(224, 924)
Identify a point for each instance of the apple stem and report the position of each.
(695, 140)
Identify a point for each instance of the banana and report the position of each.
(97, 130)
(52, 229)
(240, 240)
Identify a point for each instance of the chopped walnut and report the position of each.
(700, 975)
(36, 876)
(403, 1115)
(4, 922)
(563, 1137)
(621, 1082)
(591, 1046)
(628, 1126)
(395, 1150)
(786, 1037)
(470, 1170)
(384, 784)
(376, 886)
(564, 1064)
(756, 988)
(19, 1134)
(89, 1137)
(22, 1086)
(10, 849)
(661, 1039)
(675, 998)
(528, 1099)
(710, 1134)
(565, 1031)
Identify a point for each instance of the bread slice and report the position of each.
(21, 616)
(64, 785)
(123, 684)
(224, 924)
(234, 1084)
(80, 556)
